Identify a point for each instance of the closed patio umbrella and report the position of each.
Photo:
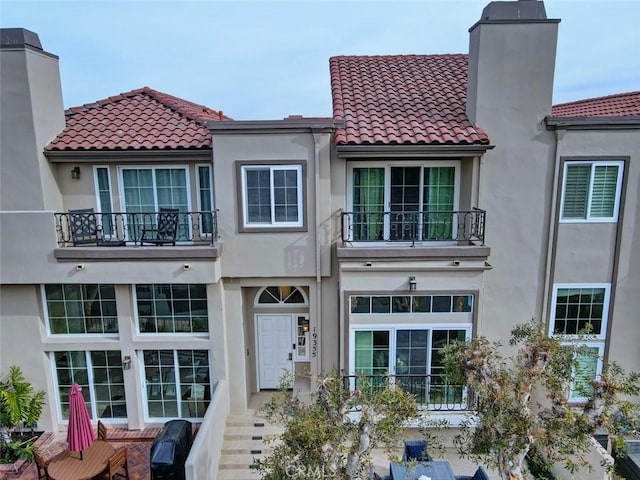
(80, 432)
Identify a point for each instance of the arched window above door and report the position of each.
(281, 296)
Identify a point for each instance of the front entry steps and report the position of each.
(243, 442)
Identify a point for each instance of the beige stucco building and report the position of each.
(422, 212)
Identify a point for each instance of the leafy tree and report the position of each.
(523, 404)
(332, 434)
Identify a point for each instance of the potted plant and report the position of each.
(20, 410)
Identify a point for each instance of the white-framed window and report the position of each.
(419, 304)
(177, 383)
(102, 181)
(280, 296)
(272, 195)
(205, 198)
(172, 308)
(80, 309)
(408, 201)
(591, 191)
(412, 354)
(588, 368)
(99, 373)
(580, 309)
(144, 190)
(580, 314)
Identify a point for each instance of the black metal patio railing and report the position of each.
(430, 391)
(192, 227)
(414, 226)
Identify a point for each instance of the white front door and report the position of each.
(275, 348)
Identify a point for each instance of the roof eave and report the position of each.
(120, 156)
(266, 126)
(591, 123)
(411, 151)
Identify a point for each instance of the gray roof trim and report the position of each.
(268, 126)
(119, 156)
(411, 151)
(591, 123)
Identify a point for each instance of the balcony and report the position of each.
(121, 235)
(430, 391)
(414, 227)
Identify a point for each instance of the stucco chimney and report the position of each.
(31, 115)
(512, 52)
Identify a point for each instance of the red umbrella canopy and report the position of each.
(80, 432)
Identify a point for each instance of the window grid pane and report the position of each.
(166, 308)
(603, 196)
(579, 310)
(80, 309)
(576, 191)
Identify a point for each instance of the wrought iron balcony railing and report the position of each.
(430, 391)
(128, 228)
(414, 226)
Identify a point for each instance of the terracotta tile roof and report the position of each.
(143, 119)
(402, 99)
(620, 105)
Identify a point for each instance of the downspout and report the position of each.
(316, 171)
(552, 238)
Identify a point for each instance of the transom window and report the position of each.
(99, 373)
(412, 202)
(272, 195)
(591, 191)
(177, 308)
(81, 309)
(283, 296)
(368, 304)
(178, 383)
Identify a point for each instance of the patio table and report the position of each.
(437, 470)
(68, 466)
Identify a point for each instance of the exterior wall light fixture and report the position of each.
(75, 173)
(412, 284)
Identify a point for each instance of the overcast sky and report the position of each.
(268, 59)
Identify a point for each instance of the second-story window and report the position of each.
(172, 308)
(147, 189)
(81, 309)
(591, 191)
(408, 202)
(272, 195)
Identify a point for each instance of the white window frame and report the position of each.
(570, 393)
(271, 167)
(97, 187)
(153, 168)
(136, 316)
(176, 366)
(392, 328)
(593, 164)
(605, 309)
(257, 304)
(47, 323)
(92, 384)
(199, 200)
(387, 188)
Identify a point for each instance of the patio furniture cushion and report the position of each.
(416, 450)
